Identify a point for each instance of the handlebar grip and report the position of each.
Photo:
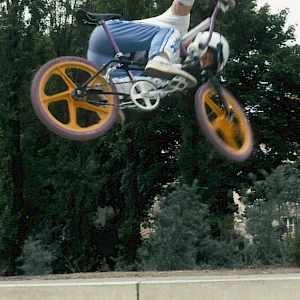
(225, 5)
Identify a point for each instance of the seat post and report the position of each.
(118, 52)
(112, 40)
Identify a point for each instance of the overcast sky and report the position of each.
(293, 17)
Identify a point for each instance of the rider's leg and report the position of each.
(100, 50)
(164, 53)
(159, 66)
(131, 37)
(162, 42)
(165, 50)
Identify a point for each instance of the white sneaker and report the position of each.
(162, 69)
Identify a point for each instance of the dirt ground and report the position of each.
(103, 275)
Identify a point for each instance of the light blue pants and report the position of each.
(132, 37)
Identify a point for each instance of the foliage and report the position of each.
(262, 74)
(266, 228)
(268, 202)
(181, 232)
(294, 246)
(181, 237)
(52, 188)
(180, 226)
(35, 258)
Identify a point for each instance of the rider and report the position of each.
(159, 36)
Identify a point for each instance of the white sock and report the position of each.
(161, 58)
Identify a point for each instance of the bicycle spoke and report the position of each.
(229, 134)
(147, 102)
(214, 107)
(72, 114)
(215, 124)
(56, 97)
(91, 107)
(69, 82)
(226, 131)
(231, 141)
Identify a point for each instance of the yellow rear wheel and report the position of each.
(54, 104)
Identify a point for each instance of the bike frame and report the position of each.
(123, 63)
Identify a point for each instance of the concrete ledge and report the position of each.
(245, 287)
(223, 288)
(69, 290)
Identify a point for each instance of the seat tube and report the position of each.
(112, 40)
(115, 46)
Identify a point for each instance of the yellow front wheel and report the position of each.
(230, 134)
(52, 99)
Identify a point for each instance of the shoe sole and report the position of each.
(157, 71)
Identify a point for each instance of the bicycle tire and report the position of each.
(51, 96)
(232, 137)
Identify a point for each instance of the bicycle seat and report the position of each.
(87, 18)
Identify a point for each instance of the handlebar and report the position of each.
(208, 23)
(212, 25)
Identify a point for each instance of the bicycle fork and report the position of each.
(216, 83)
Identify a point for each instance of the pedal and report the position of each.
(178, 83)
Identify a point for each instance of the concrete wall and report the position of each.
(247, 287)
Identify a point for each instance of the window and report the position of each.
(290, 224)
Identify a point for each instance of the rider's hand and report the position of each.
(194, 50)
(225, 5)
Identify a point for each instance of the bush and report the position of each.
(35, 259)
(182, 238)
(180, 227)
(294, 247)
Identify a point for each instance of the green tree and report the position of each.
(35, 258)
(181, 236)
(268, 202)
(262, 74)
(180, 228)
(23, 38)
(16, 64)
(260, 50)
(52, 188)
(294, 246)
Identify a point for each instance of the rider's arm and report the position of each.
(182, 7)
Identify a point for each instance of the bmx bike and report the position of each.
(78, 100)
